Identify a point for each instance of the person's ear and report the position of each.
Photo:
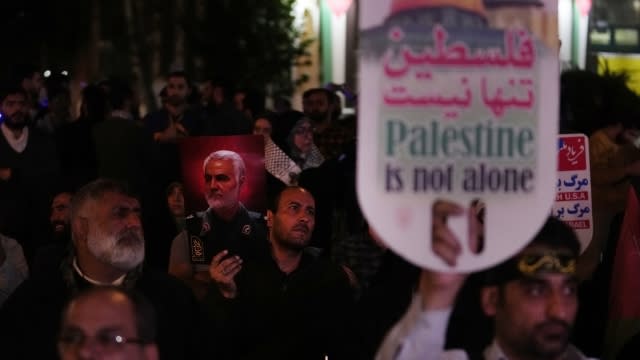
(79, 229)
(269, 219)
(241, 180)
(489, 299)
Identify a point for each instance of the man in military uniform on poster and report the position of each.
(225, 225)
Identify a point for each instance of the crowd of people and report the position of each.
(99, 257)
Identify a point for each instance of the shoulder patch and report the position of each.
(205, 227)
(255, 215)
(197, 249)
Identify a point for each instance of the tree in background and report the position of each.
(250, 43)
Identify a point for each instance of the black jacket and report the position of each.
(301, 315)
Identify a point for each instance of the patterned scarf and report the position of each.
(279, 164)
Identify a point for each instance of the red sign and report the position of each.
(579, 224)
(572, 196)
(572, 154)
(573, 187)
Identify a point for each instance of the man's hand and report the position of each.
(171, 134)
(181, 131)
(439, 290)
(223, 273)
(5, 174)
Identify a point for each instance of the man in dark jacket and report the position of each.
(29, 168)
(289, 304)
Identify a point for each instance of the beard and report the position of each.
(548, 340)
(123, 251)
(16, 123)
(61, 232)
(215, 203)
(59, 226)
(220, 200)
(175, 100)
(295, 239)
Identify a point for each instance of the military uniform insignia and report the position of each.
(246, 229)
(205, 228)
(197, 249)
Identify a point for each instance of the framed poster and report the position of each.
(252, 192)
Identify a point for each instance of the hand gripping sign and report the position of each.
(464, 112)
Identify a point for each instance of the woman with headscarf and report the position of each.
(302, 149)
(287, 158)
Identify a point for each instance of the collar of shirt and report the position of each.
(116, 282)
(17, 144)
(494, 352)
(122, 114)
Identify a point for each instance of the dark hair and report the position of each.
(172, 186)
(557, 234)
(24, 71)
(282, 104)
(180, 74)
(119, 94)
(12, 90)
(57, 85)
(267, 115)
(145, 314)
(254, 100)
(222, 83)
(194, 95)
(94, 100)
(331, 96)
(59, 189)
(554, 234)
(282, 126)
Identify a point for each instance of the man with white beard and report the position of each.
(108, 249)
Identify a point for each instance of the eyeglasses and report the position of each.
(304, 130)
(106, 340)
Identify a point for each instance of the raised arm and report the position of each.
(420, 334)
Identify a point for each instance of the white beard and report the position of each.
(107, 248)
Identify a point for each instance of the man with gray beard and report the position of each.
(225, 226)
(108, 249)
